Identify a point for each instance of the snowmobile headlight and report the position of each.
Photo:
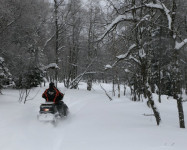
(46, 109)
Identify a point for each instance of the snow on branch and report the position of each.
(129, 17)
(1, 59)
(162, 6)
(167, 11)
(134, 59)
(50, 66)
(152, 5)
(142, 53)
(108, 67)
(126, 54)
(76, 81)
(121, 57)
(145, 18)
(47, 41)
(106, 92)
(120, 18)
(181, 44)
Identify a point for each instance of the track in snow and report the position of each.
(94, 123)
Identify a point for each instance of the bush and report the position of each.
(30, 78)
(5, 75)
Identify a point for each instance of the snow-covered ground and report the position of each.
(94, 123)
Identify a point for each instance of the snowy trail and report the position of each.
(94, 123)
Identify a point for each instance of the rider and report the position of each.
(52, 94)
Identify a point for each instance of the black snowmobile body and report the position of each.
(48, 107)
(48, 112)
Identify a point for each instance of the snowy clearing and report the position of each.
(94, 123)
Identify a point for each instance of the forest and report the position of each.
(140, 44)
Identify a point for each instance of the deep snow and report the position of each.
(94, 123)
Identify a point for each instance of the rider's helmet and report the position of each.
(51, 85)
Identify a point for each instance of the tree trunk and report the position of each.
(177, 90)
(151, 104)
(118, 88)
(181, 113)
(56, 38)
(89, 84)
(150, 101)
(124, 93)
(113, 87)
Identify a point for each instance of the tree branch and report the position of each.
(106, 93)
(79, 77)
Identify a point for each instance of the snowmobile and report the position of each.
(49, 112)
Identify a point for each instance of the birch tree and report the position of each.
(150, 14)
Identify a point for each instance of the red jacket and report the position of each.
(52, 95)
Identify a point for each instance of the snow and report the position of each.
(181, 44)
(122, 56)
(126, 54)
(152, 5)
(146, 17)
(160, 5)
(167, 11)
(133, 58)
(142, 53)
(127, 70)
(1, 59)
(94, 123)
(116, 21)
(51, 65)
(2, 74)
(132, 46)
(108, 67)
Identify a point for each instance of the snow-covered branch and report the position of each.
(120, 18)
(145, 18)
(115, 8)
(79, 77)
(181, 44)
(126, 54)
(106, 92)
(1, 59)
(108, 67)
(127, 16)
(167, 11)
(52, 66)
(162, 6)
(153, 5)
(134, 59)
(48, 40)
(121, 57)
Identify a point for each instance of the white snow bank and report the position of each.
(94, 123)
